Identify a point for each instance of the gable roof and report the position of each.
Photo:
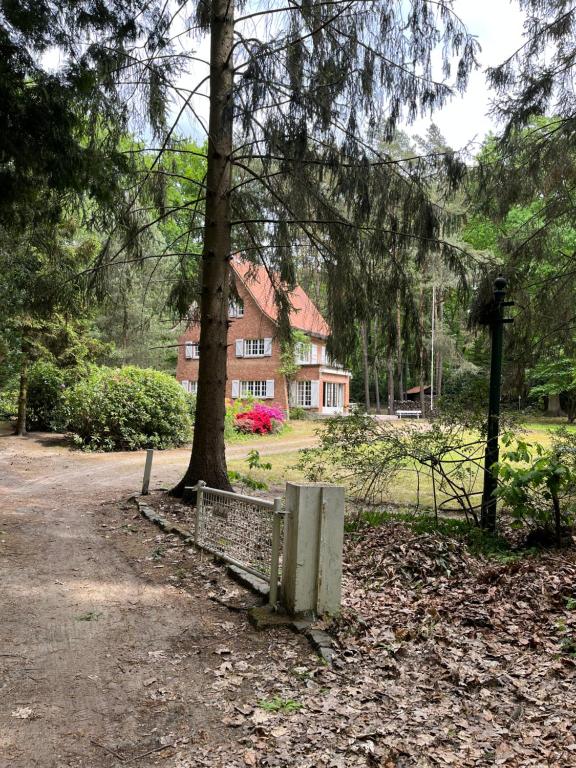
(304, 315)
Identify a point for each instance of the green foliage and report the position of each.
(278, 704)
(297, 413)
(538, 485)
(46, 385)
(8, 403)
(368, 455)
(126, 409)
(248, 480)
(556, 376)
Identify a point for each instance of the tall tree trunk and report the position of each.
(376, 369)
(439, 358)
(399, 361)
(23, 394)
(377, 387)
(421, 349)
(390, 375)
(364, 337)
(208, 459)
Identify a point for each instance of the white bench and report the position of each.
(415, 413)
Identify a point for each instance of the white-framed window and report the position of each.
(236, 308)
(303, 352)
(192, 350)
(190, 386)
(259, 388)
(304, 394)
(333, 395)
(254, 388)
(253, 347)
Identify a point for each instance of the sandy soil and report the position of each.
(105, 659)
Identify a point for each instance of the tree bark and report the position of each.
(22, 395)
(376, 388)
(208, 459)
(399, 361)
(439, 357)
(364, 337)
(390, 375)
(553, 408)
(421, 348)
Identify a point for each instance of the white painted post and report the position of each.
(199, 504)
(313, 541)
(147, 471)
(275, 553)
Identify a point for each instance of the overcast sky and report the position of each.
(497, 25)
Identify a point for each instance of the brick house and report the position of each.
(254, 353)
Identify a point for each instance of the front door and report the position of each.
(333, 401)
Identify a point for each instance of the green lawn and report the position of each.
(403, 491)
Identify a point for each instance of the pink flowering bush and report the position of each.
(260, 420)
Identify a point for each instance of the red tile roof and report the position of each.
(303, 314)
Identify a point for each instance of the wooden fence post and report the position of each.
(313, 542)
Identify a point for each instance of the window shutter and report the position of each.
(315, 387)
(185, 385)
(270, 389)
(267, 347)
(235, 388)
(239, 347)
(195, 351)
(188, 351)
(314, 354)
(322, 354)
(293, 393)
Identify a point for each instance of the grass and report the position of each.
(403, 491)
(292, 429)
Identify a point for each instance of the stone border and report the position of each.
(261, 617)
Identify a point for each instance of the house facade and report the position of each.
(254, 350)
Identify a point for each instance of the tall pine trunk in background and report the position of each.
(23, 393)
(399, 361)
(422, 377)
(208, 459)
(390, 377)
(365, 363)
(439, 356)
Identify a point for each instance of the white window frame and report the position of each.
(254, 347)
(190, 386)
(236, 308)
(333, 394)
(192, 350)
(303, 352)
(255, 388)
(304, 394)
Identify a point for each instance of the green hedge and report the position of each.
(126, 409)
(46, 386)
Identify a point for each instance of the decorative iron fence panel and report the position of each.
(243, 530)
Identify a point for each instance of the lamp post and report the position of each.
(497, 320)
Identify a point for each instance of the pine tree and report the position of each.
(298, 95)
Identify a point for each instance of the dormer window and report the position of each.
(236, 308)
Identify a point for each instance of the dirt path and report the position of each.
(96, 666)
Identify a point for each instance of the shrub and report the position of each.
(8, 403)
(126, 409)
(538, 486)
(260, 419)
(46, 387)
(297, 413)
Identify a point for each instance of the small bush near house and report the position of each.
(297, 413)
(126, 409)
(260, 420)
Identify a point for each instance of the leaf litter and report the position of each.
(444, 658)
